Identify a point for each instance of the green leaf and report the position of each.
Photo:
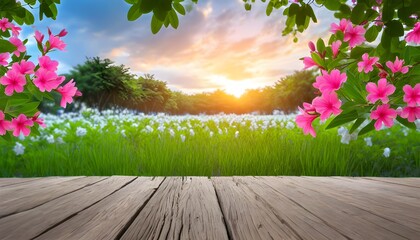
(367, 128)
(332, 5)
(371, 34)
(146, 6)
(6, 46)
(179, 8)
(358, 14)
(317, 59)
(394, 28)
(269, 8)
(248, 6)
(406, 123)
(173, 19)
(356, 124)
(134, 13)
(28, 109)
(310, 12)
(342, 119)
(320, 45)
(155, 24)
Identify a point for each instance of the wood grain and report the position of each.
(21, 197)
(107, 218)
(351, 221)
(248, 216)
(182, 208)
(31, 223)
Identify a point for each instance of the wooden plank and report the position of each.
(13, 181)
(351, 221)
(400, 193)
(31, 223)
(401, 216)
(182, 208)
(304, 223)
(21, 197)
(107, 218)
(410, 182)
(247, 216)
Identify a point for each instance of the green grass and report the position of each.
(274, 151)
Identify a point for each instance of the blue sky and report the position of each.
(217, 45)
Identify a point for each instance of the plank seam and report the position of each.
(13, 213)
(17, 183)
(400, 184)
(261, 199)
(74, 214)
(219, 203)
(298, 204)
(131, 220)
(365, 210)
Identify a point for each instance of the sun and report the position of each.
(235, 91)
(232, 87)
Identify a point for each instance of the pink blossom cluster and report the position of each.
(378, 92)
(43, 76)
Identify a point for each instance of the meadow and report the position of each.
(120, 142)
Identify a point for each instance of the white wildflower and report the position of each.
(50, 139)
(236, 134)
(387, 152)
(182, 138)
(60, 140)
(19, 149)
(192, 133)
(80, 132)
(211, 134)
(290, 125)
(368, 141)
(171, 132)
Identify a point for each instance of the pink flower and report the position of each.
(46, 80)
(38, 120)
(3, 59)
(411, 113)
(354, 35)
(380, 91)
(341, 27)
(4, 24)
(367, 63)
(412, 95)
(335, 46)
(397, 66)
(19, 45)
(383, 114)
(39, 37)
(308, 62)
(15, 29)
(304, 120)
(21, 124)
(14, 81)
(24, 67)
(327, 83)
(67, 92)
(62, 33)
(48, 64)
(327, 104)
(55, 42)
(414, 35)
(4, 125)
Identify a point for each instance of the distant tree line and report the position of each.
(105, 85)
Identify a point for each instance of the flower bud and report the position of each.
(311, 46)
(62, 33)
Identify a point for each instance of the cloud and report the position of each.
(216, 38)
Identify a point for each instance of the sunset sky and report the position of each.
(217, 45)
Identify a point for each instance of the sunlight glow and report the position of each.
(235, 88)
